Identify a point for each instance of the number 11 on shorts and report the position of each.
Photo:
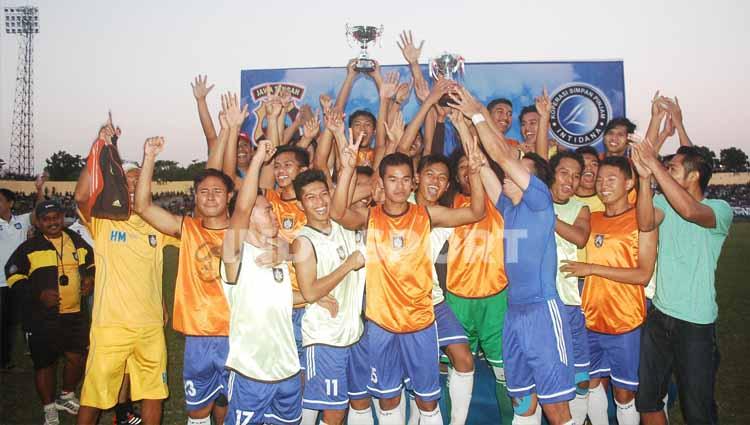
(332, 387)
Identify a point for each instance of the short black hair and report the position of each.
(362, 113)
(212, 172)
(541, 167)
(495, 102)
(590, 150)
(300, 154)
(393, 160)
(8, 195)
(620, 162)
(694, 159)
(560, 155)
(306, 177)
(434, 158)
(620, 121)
(364, 169)
(527, 110)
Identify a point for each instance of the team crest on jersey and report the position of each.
(340, 251)
(278, 274)
(599, 241)
(75, 255)
(152, 240)
(358, 236)
(18, 226)
(397, 242)
(287, 223)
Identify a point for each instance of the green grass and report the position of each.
(19, 403)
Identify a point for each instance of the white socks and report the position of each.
(535, 419)
(598, 406)
(460, 386)
(202, 421)
(579, 407)
(626, 413)
(413, 409)
(391, 417)
(360, 417)
(431, 418)
(309, 417)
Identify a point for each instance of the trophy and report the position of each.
(363, 35)
(448, 66)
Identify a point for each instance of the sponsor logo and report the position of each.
(118, 236)
(579, 113)
(599, 241)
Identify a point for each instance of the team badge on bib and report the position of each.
(278, 274)
(397, 242)
(75, 255)
(358, 236)
(18, 226)
(340, 251)
(152, 240)
(599, 241)
(287, 223)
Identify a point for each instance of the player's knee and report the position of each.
(221, 401)
(582, 383)
(623, 396)
(524, 406)
(499, 374)
(426, 405)
(462, 360)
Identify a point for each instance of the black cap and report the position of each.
(45, 207)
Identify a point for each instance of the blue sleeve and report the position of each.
(537, 196)
(502, 203)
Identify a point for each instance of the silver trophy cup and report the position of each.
(363, 35)
(448, 66)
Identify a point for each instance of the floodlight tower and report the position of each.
(23, 21)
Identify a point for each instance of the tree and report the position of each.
(733, 159)
(62, 166)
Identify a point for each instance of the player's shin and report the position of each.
(626, 413)
(504, 402)
(598, 405)
(460, 386)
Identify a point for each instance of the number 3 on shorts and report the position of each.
(243, 417)
(373, 375)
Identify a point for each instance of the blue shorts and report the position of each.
(203, 372)
(328, 373)
(256, 402)
(449, 329)
(397, 356)
(297, 314)
(616, 356)
(580, 340)
(538, 358)
(358, 370)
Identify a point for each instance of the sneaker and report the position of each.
(132, 418)
(50, 415)
(68, 402)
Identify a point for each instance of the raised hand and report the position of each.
(464, 102)
(223, 120)
(658, 106)
(402, 92)
(312, 126)
(107, 131)
(349, 153)
(200, 87)
(326, 103)
(669, 128)
(286, 100)
(153, 146)
(440, 88)
(389, 86)
(350, 71)
(543, 104)
(674, 110)
(41, 179)
(335, 121)
(640, 167)
(395, 130)
(408, 49)
(272, 105)
(264, 151)
(457, 118)
(235, 115)
(375, 73)
(421, 89)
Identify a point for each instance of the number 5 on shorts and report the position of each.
(243, 417)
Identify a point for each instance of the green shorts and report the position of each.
(483, 320)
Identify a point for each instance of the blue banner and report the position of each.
(584, 95)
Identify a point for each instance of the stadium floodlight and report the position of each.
(22, 20)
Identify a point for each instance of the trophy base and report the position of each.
(445, 101)
(364, 65)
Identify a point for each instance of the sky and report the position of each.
(138, 57)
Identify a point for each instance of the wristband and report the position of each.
(477, 118)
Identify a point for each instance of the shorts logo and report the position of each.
(288, 223)
(579, 114)
(358, 236)
(340, 251)
(278, 274)
(17, 226)
(152, 240)
(599, 241)
(397, 242)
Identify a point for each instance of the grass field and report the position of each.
(19, 403)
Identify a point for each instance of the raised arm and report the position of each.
(235, 117)
(346, 87)
(200, 91)
(675, 112)
(639, 275)
(411, 54)
(452, 217)
(312, 286)
(497, 149)
(440, 88)
(684, 204)
(658, 114)
(161, 219)
(340, 204)
(543, 108)
(218, 156)
(644, 207)
(82, 194)
(578, 232)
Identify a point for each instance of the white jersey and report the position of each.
(438, 237)
(567, 287)
(12, 234)
(331, 250)
(261, 335)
